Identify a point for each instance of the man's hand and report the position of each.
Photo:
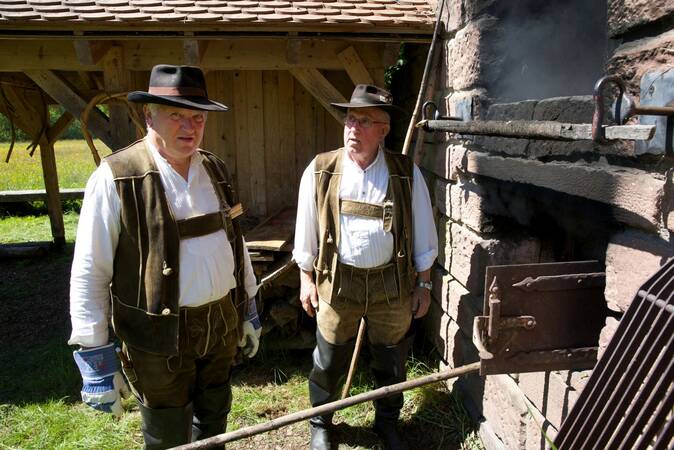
(103, 384)
(252, 330)
(421, 301)
(308, 293)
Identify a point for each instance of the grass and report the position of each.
(74, 164)
(40, 403)
(35, 227)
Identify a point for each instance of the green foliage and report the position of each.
(73, 131)
(391, 71)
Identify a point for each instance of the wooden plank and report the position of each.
(354, 66)
(227, 129)
(116, 80)
(39, 195)
(305, 137)
(258, 193)
(287, 148)
(89, 53)
(316, 84)
(274, 234)
(242, 142)
(274, 164)
(19, 55)
(53, 85)
(51, 184)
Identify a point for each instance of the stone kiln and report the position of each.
(524, 201)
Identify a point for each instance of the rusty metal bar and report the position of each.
(537, 129)
(329, 407)
(625, 390)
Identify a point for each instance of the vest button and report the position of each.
(167, 271)
(329, 240)
(165, 312)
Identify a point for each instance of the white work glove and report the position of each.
(252, 329)
(103, 385)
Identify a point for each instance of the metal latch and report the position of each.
(540, 317)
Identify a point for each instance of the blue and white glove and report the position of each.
(103, 383)
(252, 329)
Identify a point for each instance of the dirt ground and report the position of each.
(34, 296)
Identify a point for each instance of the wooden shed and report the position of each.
(278, 64)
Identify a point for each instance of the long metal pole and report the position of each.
(424, 80)
(330, 407)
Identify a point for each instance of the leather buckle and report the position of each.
(387, 215)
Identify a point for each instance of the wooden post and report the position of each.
(51, 185)
(116, 79)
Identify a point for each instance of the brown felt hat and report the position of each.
(368, 96)
(179, 86)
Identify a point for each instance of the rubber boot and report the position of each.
(331, 362)
(166, 427)
(388, 367)
(211, 407)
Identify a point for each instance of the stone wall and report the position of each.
(509, 201)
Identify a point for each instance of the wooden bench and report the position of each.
(39, 194)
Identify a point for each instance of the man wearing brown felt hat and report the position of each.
(365, 242)
(159, 246)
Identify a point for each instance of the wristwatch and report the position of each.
(425, 284)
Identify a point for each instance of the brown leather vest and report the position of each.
(327, 180)
(144, 288)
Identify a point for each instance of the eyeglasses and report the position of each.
(364, 122)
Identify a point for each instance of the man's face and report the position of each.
(364, 129)
(178, 131)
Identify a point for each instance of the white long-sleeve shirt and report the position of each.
(362, 241)
(206, 262)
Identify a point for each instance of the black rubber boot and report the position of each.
(331, 362)
(211, 407)
(166, 427)
(388, 367)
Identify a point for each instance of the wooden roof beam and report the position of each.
(89, 53)
(354, 66)
(60, 91)
(321, 89)
(142, 55)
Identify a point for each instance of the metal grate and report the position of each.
(627, 402)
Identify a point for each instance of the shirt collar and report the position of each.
(159, 159)
(377, 159)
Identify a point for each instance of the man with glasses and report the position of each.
(365, 242)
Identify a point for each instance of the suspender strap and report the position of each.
(372, 210)
(208, 223)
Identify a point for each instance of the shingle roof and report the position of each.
(413, 15)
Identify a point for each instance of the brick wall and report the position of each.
(501, 201)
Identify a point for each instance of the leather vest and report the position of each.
(328, 176)
(144, 288)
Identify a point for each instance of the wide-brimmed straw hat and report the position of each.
(179, 86)
(367, 96)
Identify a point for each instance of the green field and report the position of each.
(74, 164)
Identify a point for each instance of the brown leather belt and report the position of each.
(209, 223)
(371, 210)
